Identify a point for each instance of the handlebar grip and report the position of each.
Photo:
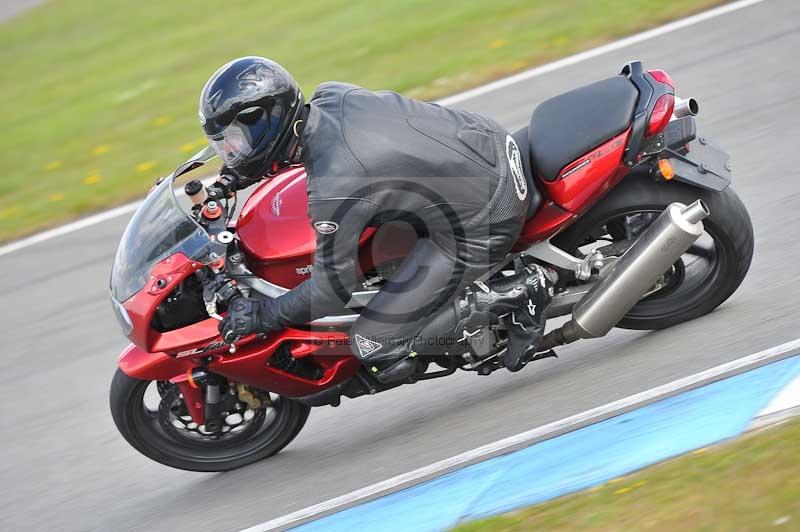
(223, 187)
(230, 336)
(228, 292)
(216, 192)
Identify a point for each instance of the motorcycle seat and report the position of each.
(571, 124)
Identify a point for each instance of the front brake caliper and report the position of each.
(246, 396)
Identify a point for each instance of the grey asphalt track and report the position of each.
(12, 8)
(64, 467)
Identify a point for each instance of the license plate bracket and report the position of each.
(705, 165)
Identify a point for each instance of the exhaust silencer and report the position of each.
(634, 274)
(687, 107)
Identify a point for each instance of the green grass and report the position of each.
(99, 97)
(750, 484)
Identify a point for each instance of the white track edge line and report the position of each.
(600, 50)
(325, 507)
(787, 399)
(69, 228)
(82, 223)
(450, 100)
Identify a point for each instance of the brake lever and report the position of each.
(213, 285)
(211, 309)
(210, 282)
(222, 292)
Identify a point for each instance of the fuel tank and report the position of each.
(274, 230)
(279, 242)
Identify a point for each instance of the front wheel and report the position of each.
(703, 278)
(152, 417)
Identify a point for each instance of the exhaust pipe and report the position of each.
(634, 274)
(687, 107)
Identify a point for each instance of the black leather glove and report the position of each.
(223, 187)
(228, 183)
(247, 316)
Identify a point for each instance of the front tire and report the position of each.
(698, 287)
(138, 408)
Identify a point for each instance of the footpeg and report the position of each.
(529, 355)
(397, 372)
(546, 354)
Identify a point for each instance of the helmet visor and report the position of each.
(250, 129)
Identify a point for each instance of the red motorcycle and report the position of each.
(634, 213)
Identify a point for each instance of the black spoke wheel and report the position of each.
(153, 418)
(702, 279)
(239, 423)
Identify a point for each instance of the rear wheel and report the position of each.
(152, 417)
(704, 277)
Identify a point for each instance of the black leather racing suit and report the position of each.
(377, 157)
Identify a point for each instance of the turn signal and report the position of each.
(666, 169)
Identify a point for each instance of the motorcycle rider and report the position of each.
(373, 158)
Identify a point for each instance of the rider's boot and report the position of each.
(525, 325)
(520, 300)
(387, 363)
(485, 303)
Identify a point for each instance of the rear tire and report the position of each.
(142, 428)
(728, 225)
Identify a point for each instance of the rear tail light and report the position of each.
(662, 112)
(662, 77)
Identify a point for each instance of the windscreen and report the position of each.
(158, 229)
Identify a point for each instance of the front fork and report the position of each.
(203, 396)
(201, 389)
(192, 396)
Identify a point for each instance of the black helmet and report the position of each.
(248, 109)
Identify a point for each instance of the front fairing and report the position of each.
(160, 228)
(161, 245)
(166, 276)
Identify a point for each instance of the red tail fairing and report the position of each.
(585, 180)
